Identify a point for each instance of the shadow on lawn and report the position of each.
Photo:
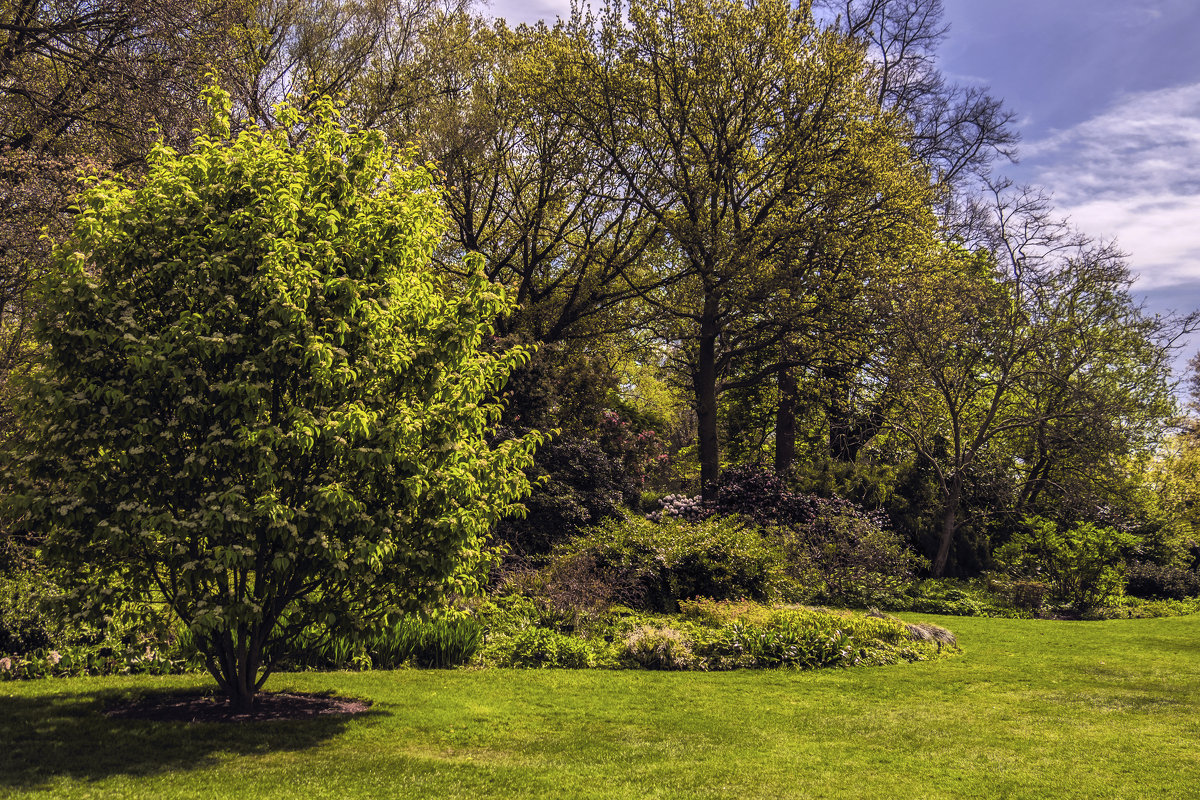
(68, 735)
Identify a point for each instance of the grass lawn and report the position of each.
(1031, 709)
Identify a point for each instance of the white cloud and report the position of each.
(1133, 173)
(517, 11)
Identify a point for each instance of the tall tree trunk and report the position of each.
(706, 400)
(949, 526)
(785, 422)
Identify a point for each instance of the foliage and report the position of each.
(1081, 562)
(544, 648)
(256, 403)
(762, 496)
(957, 597)
(1025, 358)
(785, 152)
(719, 635)
(837, 552)
(641, 452)
(1138, 608)
(1173, 478)
(1162, 581)
(436, 641)
(25, 625)
(569, 591)
(105, 658)
(846, 557)
(1022, 595)
(720, 557)
(581, 485)
(80, 92)
(659, 647)
(706, 635)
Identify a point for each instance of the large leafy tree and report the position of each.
(740, 129)
(257, 402)
(1026, 356)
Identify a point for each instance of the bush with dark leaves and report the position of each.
(1162, 581)
(839, 552)
(582, 486)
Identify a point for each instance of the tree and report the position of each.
(81, 82)
(257, 402)
(736, 127)
(842, 350)
(539, 202)
(1028, 351)
(959, 131)
(378, 54)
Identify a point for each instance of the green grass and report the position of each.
(1031, 709)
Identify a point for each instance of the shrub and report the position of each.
(1023, 595)
(721, 635)
(709, 635)
(659, 647)
(848, 556)
(24, 624)
(1082, 562)
(1162, 581)
(721, 557)
(104, 658)
(252, 392)
(542, 648)
(762, 496)
(1137, 608)
(581, 486)
(571, 589)
(838, 552)
(958, 597)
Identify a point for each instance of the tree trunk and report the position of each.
(236, 676)
(785, 423)
(949, 528)
(706, 400)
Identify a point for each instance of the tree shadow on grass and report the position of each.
(69, 735)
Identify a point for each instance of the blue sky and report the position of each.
(1107, 94)
(1108, 97)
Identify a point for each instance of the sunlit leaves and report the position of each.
(257, 400)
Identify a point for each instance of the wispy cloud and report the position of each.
(517, 11)
(1133, 173)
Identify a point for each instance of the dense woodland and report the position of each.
(749, 245)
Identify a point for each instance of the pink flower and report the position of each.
(54, 657)
(5, 664)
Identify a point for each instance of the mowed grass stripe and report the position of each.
(1031, 709)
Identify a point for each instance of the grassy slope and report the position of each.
(1032, 709)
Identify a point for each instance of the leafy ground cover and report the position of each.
(1033, 708)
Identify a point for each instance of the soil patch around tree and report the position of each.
(207, 707)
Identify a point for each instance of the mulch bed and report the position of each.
(192, 707)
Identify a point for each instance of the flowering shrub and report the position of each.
(839, 552)
(642, 454)
(680, 506)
